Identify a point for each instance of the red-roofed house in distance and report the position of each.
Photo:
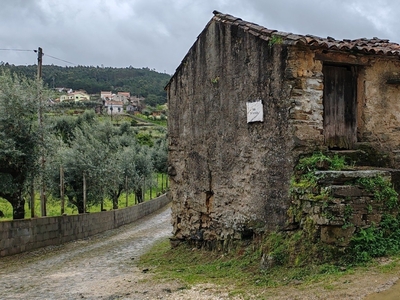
(123, 96)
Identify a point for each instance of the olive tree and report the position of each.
(109, 157)
(82, 159)
(19, 138)
(131, 167)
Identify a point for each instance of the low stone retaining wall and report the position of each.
(22, 235)
(339, 206)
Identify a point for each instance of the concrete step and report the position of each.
(363, 155)
(344, 177)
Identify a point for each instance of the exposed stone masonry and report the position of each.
(339, 206)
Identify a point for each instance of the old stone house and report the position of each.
(247, 101)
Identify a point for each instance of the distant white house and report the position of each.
(75, 96)
(114, 107)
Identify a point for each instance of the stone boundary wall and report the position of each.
(17, 236)
(340, 206)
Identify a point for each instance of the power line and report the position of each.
(11, 49)
(17, 50)
(59, 59)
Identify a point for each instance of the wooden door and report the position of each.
(340, 120)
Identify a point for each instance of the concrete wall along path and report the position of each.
(17, 236)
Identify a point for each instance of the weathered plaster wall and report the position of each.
(379, 123)
(229, 178)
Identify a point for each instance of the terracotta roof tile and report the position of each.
(374, 46)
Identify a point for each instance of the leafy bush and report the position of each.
(376, 241)
(319, 161)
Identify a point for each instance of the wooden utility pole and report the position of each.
(40, 62)
(84, 193)
(126, 190)
(32, 198)
(43, 199)
(62, 190)
(144, 190)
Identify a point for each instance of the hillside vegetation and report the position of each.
(141, 82)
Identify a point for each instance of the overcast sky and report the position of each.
(158, 33)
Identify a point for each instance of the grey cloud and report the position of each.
(158, 33)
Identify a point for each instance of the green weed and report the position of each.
(239, 269)
(320, 161)
(275, 39)
(376, 241)
(382, 190)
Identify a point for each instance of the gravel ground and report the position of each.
(104, 267)
(101, 267)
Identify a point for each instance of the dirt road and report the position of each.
(102, 267)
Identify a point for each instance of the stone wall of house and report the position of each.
(229, 178)
(378, 105)
(23, 235)
(306, 97)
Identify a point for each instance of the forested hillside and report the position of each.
(141, 82)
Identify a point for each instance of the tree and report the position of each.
(130, 164)
(85, 157)
(125, 176)
(110, 157)
(160, 156)
(143, 170)
(18, 138)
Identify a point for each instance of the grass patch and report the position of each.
(238, 272)
(53, 206)
(162, 123)
(388, 267)
(239, 269)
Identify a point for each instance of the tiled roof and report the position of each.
(374, 46)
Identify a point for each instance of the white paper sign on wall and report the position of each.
(255, 111)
